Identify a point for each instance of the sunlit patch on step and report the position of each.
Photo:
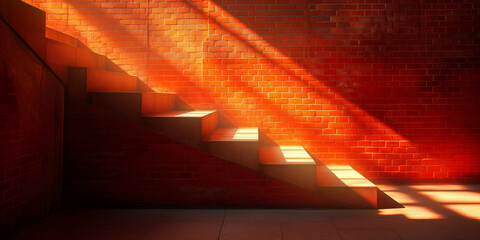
(233, 134)
(246, 134)
(349, 176)
(295, 154)
(285, 155)
(184, 114)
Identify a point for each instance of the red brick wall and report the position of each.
(31, 131)
(112, 162)
(389, 87)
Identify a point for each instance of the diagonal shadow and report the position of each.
(262, 104)
(131, 38)
(397, 103)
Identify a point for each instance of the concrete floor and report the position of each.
(430, 212)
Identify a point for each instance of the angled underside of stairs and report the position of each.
(94, 81)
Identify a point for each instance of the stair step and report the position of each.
(185, 126)
(183, 114)
(291, 164)
(345, 185)
(66, 52)
(66, 55)
(126, 104)
(107, 81)
(61, 37)
(238, 145)
(285, 155)
(155, 103)
(109, 87)
(344, 176)
(133, 105)
(233, 134)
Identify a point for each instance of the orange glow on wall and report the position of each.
(344, 84)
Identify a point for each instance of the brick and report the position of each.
(27, 166)
(406, 102)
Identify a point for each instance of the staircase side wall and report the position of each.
(112, 162)
(31, 132)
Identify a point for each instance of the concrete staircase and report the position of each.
(93, 79)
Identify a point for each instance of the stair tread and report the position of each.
(114, 73)
(233, 134)
(155, 102)
(69, 56)
(285, 155)
(53, 34)
(189, 114)
(66, 44)
(128, 92)
(349, 177)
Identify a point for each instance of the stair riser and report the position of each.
(242, 153)
(61, 37)
(77, 85)
(265, 141)
(87, 58)
(82, 80)
(346, 186)
(154, 103)
(61, 54)
(66, 55)
(106, 81)
(188, 130)
(209, 123)
(303, 176)
(88, 82)
(127, 105)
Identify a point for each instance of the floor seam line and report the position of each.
(221, 227)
